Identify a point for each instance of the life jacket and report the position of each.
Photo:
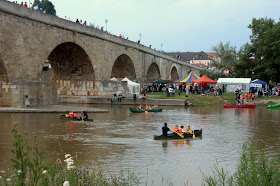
(181, 130)
(245, 95)
(249, 95)
(175, 129)
(253, 96)
(75, 115)
(140, 108)
(71, 114)
(147, 108)
(242, 98)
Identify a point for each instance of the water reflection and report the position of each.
(120, 139)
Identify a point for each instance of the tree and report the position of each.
(262, 55)
(45, 5)
(227, 54)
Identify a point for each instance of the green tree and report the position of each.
(262, 56)
(246, 62)
(227, 54)
(45, 5)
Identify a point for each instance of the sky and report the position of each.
(173, 25)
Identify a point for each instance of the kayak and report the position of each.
(273, 106)
(74, 119)
(140, 111)
(176, 136)
(239, 106)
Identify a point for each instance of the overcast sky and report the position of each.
(179, 25)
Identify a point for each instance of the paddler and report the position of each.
(165, 129)
(85, 115)
(140, 107)
(188, 129)
(182, 130)
(176, 128)
(71, 114)
(147, 107)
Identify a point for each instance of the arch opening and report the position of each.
(174, 74)
(153, 72)
(70, 69)
(123, 67)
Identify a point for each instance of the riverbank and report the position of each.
(203, 100)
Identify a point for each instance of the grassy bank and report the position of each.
(203, 100)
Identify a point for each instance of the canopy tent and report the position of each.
(114, 79)
(187, 79)
(204, 79)
(231, 84)
(162, 81)
(259, 83)
(132, 86)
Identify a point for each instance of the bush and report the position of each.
(253, 169)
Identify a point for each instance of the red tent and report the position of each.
(204, 80)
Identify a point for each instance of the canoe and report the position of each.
(273, 106)
(74, 119)
(176, 136)
(239, 106)
(140, 111)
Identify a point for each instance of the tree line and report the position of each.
(258, 59)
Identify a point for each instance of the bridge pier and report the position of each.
(24, 93)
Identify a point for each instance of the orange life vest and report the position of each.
(249, 96)
(245, 95)
(71, 114)
(75, 115)
(147, 108)
(181, 130)
(175, 129)
(242, 98)
(253, 96)
(140, 108)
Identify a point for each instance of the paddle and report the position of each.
(193, 134)
(181, 135)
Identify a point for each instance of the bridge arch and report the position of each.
(3, 71)
(71, 70)
(153, 72)
(123, 67)
(174, 73)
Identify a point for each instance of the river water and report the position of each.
(120, 140)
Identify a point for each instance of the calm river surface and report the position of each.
(122, 140)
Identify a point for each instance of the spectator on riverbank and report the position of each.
(25, 4)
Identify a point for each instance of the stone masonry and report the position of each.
(83, 59)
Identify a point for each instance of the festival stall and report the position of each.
(132, 86)
(188, 79)
(204, 81)
(231, 84)
(259, 84)
(114, 79)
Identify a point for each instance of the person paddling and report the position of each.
(140, 107)
(176, 129)
(85, 115)
(165, 129)
(182, 130)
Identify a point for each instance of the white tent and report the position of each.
(132, 86)
(115, 79)
(231, 84)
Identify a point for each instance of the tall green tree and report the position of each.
(262, 55)
(45, 5)
(227, 54)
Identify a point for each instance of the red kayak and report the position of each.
(239, 106)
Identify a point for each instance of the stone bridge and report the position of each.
(82, 59)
